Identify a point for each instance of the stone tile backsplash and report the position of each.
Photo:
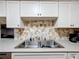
(48, 32)
(42, 32)
(64, 32)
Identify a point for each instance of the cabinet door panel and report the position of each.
(29, 8)
(64, 15)
(75, 14)
(39, 56)
(13, 17)
(49, 9)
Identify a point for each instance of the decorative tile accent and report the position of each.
(42, 28)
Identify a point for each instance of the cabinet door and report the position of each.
(39, 56)
(73, 55)
(49, 9)
(29, 8)
(2, 8)
(75, 14)
(13, 16)
(64, 14)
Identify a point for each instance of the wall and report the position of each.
(48, 32)
(37, 28)
(53, 33)
(42, 29)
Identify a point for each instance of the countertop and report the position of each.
(9, 46)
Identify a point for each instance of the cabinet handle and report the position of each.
(17, 25)
(40, 14)
(71, 25)
(73, 57)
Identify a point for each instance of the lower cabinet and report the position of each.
(39, 55)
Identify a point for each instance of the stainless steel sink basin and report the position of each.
(46, 44)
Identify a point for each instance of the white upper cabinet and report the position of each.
(29, 8)
(49, 9)
(64, 14)
(37, 8)
(2, 8)
(13, 14)
(75, 14)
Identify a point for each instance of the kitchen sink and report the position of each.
(40, 44)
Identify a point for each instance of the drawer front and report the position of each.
(39, 55)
